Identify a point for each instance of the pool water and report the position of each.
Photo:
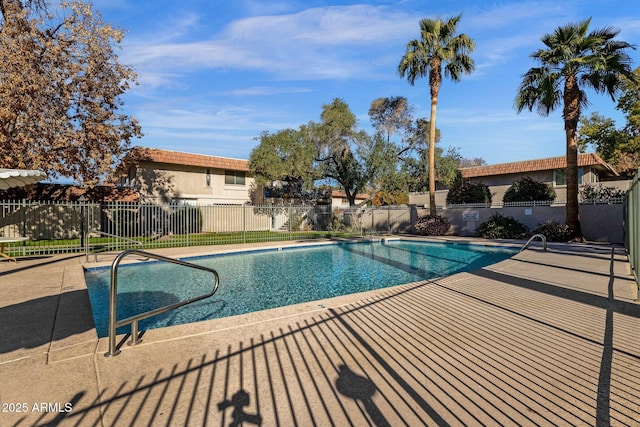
(259, 280)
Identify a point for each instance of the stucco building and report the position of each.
(186, 178)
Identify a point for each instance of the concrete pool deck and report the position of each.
(543, 338)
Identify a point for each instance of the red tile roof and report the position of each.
(178, 158)
(588, 159)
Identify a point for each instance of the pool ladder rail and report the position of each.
(133, 320)
(542, 238)
(108, 245)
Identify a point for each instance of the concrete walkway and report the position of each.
(544, 338)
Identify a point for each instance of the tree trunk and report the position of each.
(351, 197)
(571, 115)
(432, 158)
(572, 208)
(434, 84)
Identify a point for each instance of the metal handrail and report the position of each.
(102, 233)
(133, 320)
(542, 239)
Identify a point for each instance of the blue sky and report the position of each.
(214, 74)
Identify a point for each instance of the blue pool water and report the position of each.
(259, 280)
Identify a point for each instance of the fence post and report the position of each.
(244, 224)
(81, 202)
(188, 223)
(290, 234)
(24, 217)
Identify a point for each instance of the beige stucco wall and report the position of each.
(602, 223)
(189, 184)
(341, 202)
(508, 179)
(500, 184)
(589, 176)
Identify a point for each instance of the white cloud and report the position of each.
(265, 91)
(523, 23)
(337, 42)
(336, 25)
(192, 115)
(179, 27)
(332, 42)
(211, 118)
(514, 15)
(466, 117)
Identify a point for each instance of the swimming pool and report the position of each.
(258, 280)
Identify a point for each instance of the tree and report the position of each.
(599, 132)
(386, 180)
(286, 156)
(619, 147)
(415, 162)
(391, 115)
(628, 159)
(469, 192)
(469, 163)
(27, 4)
(573, 58)
(438, 45)
(333, 149)
(335, 138)
(615, 146)
(60, 89)
(629, 103)
(447, 166)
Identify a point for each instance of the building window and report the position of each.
(560, 176)
(234, 177)
(207, 178)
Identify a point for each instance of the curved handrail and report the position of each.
(103, 233)
(542, 239)
(133, 320)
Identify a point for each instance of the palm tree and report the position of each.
(438, 45)
(574, 58)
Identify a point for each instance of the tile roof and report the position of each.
(178, 158)
(588, 159)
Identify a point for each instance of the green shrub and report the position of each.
(600, 192)
(432, 225)
(554, 231)
(529, 190)
(502, 227)
(296, 221)
(339, 222)
(469, 193)
(185, 220)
